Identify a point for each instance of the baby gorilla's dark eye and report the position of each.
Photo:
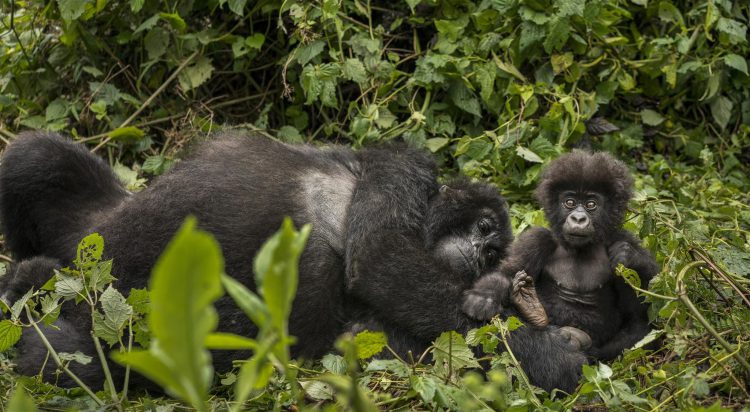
(590, 205)
(570, 203)
(485, 226)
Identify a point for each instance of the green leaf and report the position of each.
(255, 41)
(237, 6)
(651, 117)
(736, 31)
(451, 354)
(139, 300)
(559, 31)
(72, 9)
(464, 99)
(21, 401)
(369, 343)
(127, 134)
(89, 251)
(318, 390)
(229, 341)
(185, 281)
(175, 21)
(354, 70)
(276, 267)
(10, 333)
(116, 309)
(196, 74)
(156, 42)
(136, 5)
(424, 386)
(737, 62)
(721, 111)
(436, 143)
(248, 301)
(335, 364)
(395, 366)
(528, 155)
(305, 53)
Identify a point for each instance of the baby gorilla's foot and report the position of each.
(527, 302)
(576, 338)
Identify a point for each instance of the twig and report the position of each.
(59, 363)
(151, 98)
(682, 295)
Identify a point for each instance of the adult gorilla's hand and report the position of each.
(574, 338)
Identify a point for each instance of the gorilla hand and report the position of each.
(620, 252)
(488, 296)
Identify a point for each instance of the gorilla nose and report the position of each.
(579, 219)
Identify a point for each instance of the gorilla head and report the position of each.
(467, 227)
(584, 197)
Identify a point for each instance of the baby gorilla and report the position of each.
(566, 275)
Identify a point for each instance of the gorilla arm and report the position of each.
(491, 292)
(628, 251)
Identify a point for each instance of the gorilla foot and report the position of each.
(524, 297)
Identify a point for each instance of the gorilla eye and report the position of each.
(570, 203)
(485, 226)
(590, 205)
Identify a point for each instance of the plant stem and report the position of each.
(59, 363)
(107, 373)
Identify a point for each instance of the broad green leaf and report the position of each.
(196, 74)
(424, 386)
(89, 252)
(528, 155)
(175, 21)
(395, 366)
(237, 6)
(156, 42)
(318, 390)
(116, 310)
(354, 70)
(305, 53)
(10, 333)
(185, 281)
(248, 301)
(737, 62)
(369, 343)
(334, 364)
(464, 99)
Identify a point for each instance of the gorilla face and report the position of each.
(579, 212)
(473, 249)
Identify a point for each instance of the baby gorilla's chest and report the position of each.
(576, 289)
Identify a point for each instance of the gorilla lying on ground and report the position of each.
(387, 243)
(571, 267)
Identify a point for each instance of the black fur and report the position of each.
(369, 209)
(573, 264)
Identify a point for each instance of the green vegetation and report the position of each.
(495, 88)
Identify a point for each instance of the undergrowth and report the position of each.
(494, 88)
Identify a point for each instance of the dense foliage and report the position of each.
(495, 88)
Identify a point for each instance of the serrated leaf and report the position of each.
(10, 333)
(737, 62)
(318, 390)
(559, 32)
(464, 99)
(196, 74)
(68, 287)
(354, 70)
(395, 366)
(334, 363)
(116, 309)
(305, 53)
(424, 386)
(369, 343)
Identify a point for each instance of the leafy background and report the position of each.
(495, 88)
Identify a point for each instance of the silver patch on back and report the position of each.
(326, 196)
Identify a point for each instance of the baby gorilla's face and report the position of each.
(580, 211)
(474, 249)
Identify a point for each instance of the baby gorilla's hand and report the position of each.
(527, 302)
(486, 298)
(620, 252)
(575, 338)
